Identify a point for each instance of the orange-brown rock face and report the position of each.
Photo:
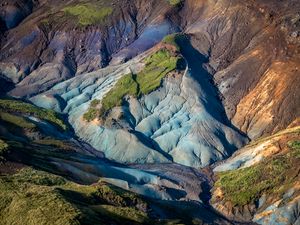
(272, 103)
(253, 50)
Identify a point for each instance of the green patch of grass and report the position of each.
(157, 66)
(45, 22)
(272, 176)
(95, 102)
(91, 114)
(121, 213)
(115, 196)
(15, 106)
(38, 177)
(29, 197)
(175, 2)
(88, 14)
(174, 39)
(64, 145)
(126, 85)
(3, 150)
(35, 197)
(3, 146)
(16, 120)
(294, 144)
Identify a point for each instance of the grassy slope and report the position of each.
(174, 39)
(88, 13)
(32, 197)
(174, 2)
(35, 197)
(16, 120)
(273, 176)
(3, 149)
(158, 65)
(15, 106)
(18, 131)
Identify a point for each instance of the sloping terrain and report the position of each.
(33, 197)
(162, 126)
(217, 34)
(261, 181)
(253, 50)
(38, 137)
(148, 96)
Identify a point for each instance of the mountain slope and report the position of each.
(152, 132)
(217, 30)
(39, 138)
(149, 96)
(261, 181)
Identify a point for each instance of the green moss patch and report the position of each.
(120, 213)
(18, 121)
(127, 85)
(175, 2)
(3, 150)
(294, 144)
(37, 177)
(60, 144)
(272, 176)
(29, 197)
(158, 65)
(35, 197)
(174, 39)
(15, 106)
(88, 14)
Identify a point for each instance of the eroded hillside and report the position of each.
(144, 94)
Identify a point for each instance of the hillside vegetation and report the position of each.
(88, 14)
(35, 197)
(157, 66)
(15, 106)
(272, 176)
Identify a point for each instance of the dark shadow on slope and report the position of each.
(196, 61)
(187, 212)
(5, 85)
(3, 27)
(77, 167)
(148, 142)
(205, 195)
(129, 118)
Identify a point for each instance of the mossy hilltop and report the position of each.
(11, 106)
